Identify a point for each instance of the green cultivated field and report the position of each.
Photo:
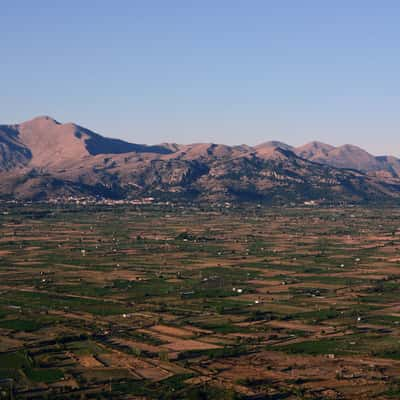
(190, 302)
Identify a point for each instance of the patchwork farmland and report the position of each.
(188, 302)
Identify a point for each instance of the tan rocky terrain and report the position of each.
(43, 158)
(350, 156)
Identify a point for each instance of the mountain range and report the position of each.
(43, 158)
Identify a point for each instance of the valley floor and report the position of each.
(184, 302)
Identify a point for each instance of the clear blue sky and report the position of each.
(225, 71)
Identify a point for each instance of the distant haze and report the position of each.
(225, 72)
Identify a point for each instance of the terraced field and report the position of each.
(189, 302)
